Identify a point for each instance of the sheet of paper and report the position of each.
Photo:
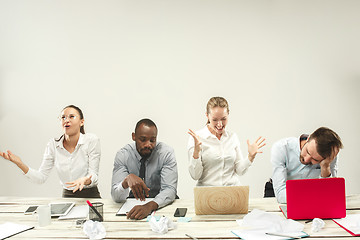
(130, 203)
(351, 222)
(77, 212)
(258, 234)
(9, 229)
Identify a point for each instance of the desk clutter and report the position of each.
(259, 224)
(264, 217)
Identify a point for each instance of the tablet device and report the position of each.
(60, 209)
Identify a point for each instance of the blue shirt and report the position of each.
(285, 159)
(160, 175)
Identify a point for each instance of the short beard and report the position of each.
(145, 155)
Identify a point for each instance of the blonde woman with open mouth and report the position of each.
(215, 157)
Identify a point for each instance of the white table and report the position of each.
(118, 227)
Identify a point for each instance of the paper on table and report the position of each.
(259, 234)
(77, 212)
(351, 223)
(130, 203)
(9, 229)
(257, 223)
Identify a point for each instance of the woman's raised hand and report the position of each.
(197, 146)
(11, 157)
(15, 159)
(253, 149)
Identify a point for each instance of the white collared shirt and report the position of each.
(220, 162)
(84, 161)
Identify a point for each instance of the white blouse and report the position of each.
(84, 161)
(220, 162)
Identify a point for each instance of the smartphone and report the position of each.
(180, 212)
(30, 210)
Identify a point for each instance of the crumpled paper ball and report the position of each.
(94, 230)
(317, 224)
(162, 226)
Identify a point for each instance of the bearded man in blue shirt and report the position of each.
(307, 157)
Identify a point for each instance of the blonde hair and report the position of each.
(216, 102)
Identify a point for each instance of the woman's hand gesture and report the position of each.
(197, 146)
(253, 149)
(15, 159)
(11, 157)
(79, 183)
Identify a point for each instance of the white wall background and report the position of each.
(286, 68)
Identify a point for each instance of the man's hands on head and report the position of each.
(142, 211)
(325, 164)
(137, 186)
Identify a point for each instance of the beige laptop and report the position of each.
(221, 200)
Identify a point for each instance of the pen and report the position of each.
(282, 235)
(194, 238)
(95, 211)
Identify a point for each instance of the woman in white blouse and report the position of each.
(75, 155)
(215, 157)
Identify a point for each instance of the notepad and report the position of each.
(130, 203)
(9, 229)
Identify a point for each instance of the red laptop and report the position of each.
(315, 198)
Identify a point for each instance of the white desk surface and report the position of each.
(118, 227)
